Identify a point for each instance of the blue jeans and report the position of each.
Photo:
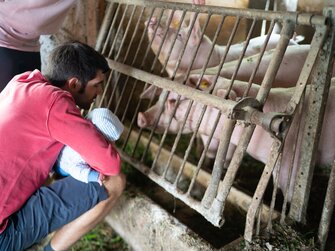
(48, 209)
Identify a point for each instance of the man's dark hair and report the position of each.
(74, 59)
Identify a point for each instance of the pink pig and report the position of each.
(206, 44)
(261, 141)
(287, 75)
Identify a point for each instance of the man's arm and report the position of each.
(67, 126)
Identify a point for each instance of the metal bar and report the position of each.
(262, 184)
(328, 209)
(178, 98)
(276, 147)
(294, 149)
(166, 94)
(103, 30)
(213, 186)
(286, 34)
(127, 52)
(118, 31)
(299, 19)
(188, 92)
(320, 83)
(116, 14)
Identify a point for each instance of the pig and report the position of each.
(261, 141)
(287, 75)
(254, 46)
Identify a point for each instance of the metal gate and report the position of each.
(226, 100)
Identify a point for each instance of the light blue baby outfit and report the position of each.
(69, 162)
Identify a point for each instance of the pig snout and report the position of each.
(152, 23)
(142, 121)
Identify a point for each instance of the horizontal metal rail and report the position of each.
(272, 122)
(296, 18)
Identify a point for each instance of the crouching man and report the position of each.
(39, 115)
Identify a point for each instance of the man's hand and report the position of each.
(114, 184)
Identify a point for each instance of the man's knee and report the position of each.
(115, 185)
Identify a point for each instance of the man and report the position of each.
(39, 115)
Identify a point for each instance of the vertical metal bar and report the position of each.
(328, 209)
(262, 184)
(267, 7)
(163, 98)
(320, 83)
(126, 54)
(286, 34)
(103, 30)
(133, 62)
(274, 192)
(175, 71)
(104, 48)
(119, 53)
(111, 29)
(213, 186)
(294, 150)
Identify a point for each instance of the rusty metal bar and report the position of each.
(118, 31)
(164, 67)
(178, 99)
(188, 150)
(262, 184)
(328, 209)
(213, 186)
(320, 83)
(119, 53)
(294, 149)
(126, 54)
(296, 18)
(166, 94)
(274, 192)
(103, 30)
(261, 54)
(224, 105)
(186, 91)
(126, 82)
(116, 14)
(286, 33)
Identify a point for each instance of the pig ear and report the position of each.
(223, 93)
(196, 32)
(170, 105)
(176, 19)
(205, 83)
(192, 81)
(147, 94)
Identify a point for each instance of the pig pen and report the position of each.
(177, 83)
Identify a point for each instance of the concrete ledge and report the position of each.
(146, 226)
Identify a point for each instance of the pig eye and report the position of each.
(179, 37)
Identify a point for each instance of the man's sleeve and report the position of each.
(67, 126)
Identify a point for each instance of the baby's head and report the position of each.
(106, 122)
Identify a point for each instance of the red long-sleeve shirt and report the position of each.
(36, 121)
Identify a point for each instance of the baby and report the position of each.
(71, 163)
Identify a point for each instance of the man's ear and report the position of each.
(73, 84)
